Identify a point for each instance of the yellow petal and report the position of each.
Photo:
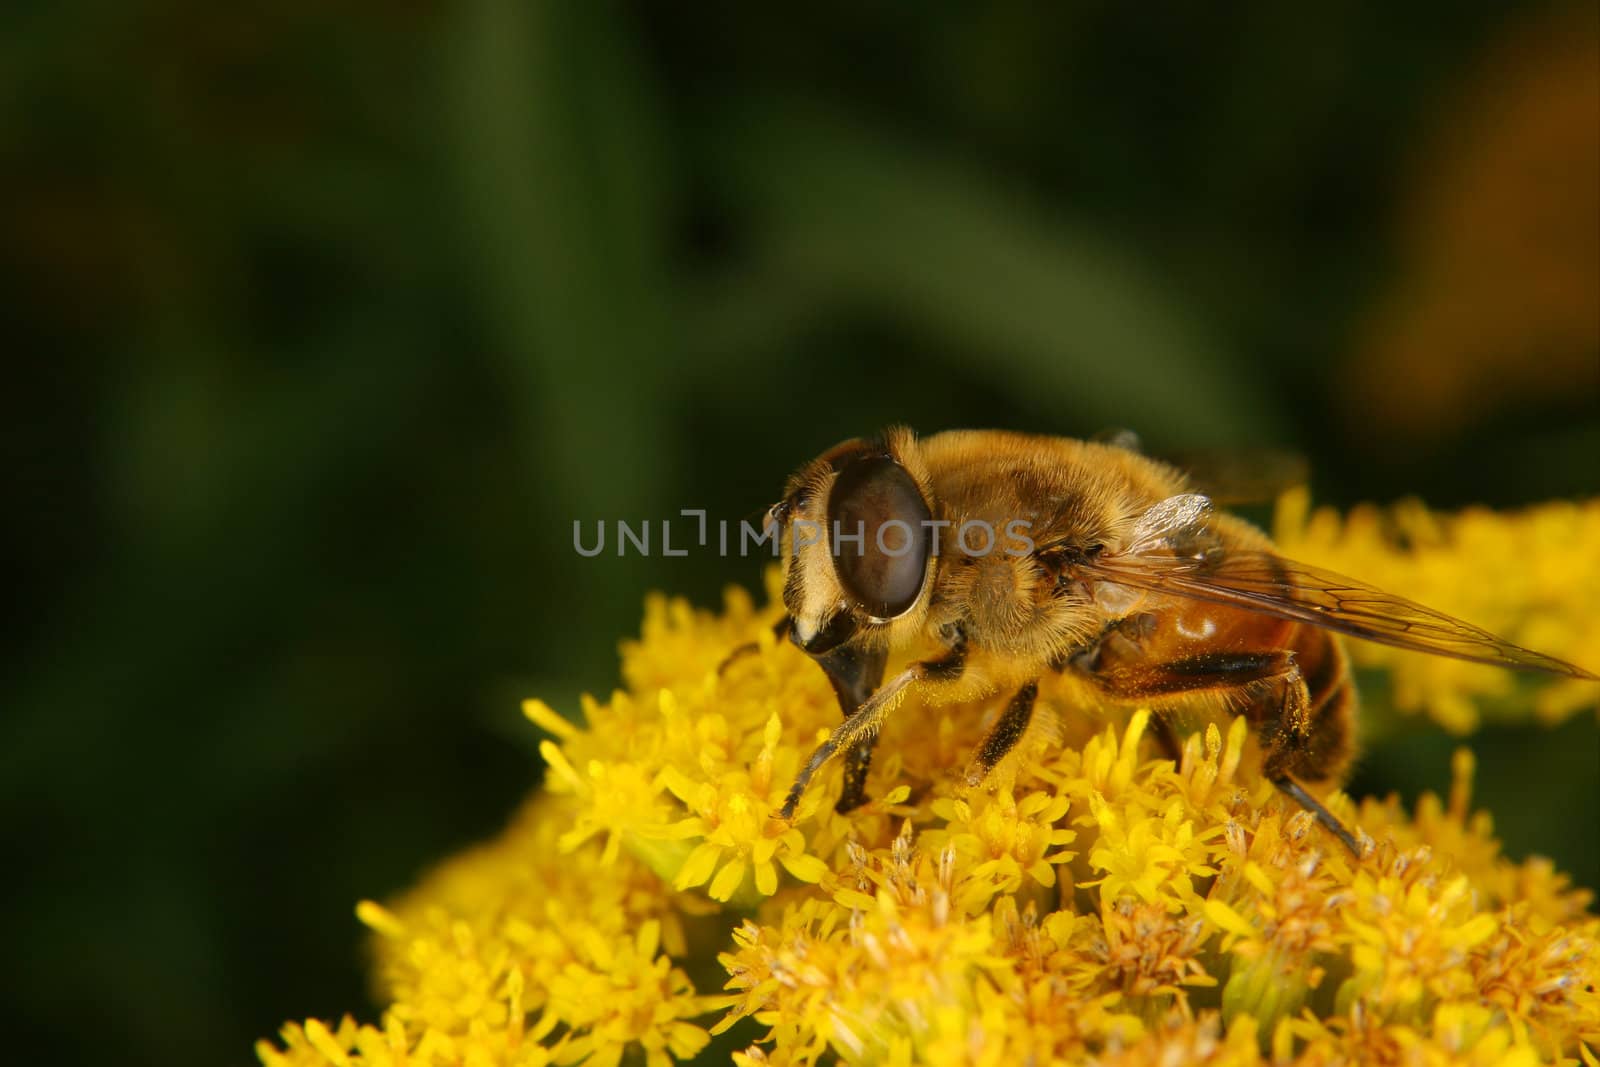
(727, 881)
(1225, 917)
(806, 868)
(379, 919)
(545, 718)
(766, 879)
(698, 867)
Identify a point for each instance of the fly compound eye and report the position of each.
(878, 531)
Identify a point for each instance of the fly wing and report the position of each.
(1232, 477)
(1229, 476)
(1161, 558)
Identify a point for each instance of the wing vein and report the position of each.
(1271, 585)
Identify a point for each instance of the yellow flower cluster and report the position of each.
(1532, 576)
(1091, 901)
(520, 952)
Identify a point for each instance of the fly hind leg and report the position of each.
(1291, 737)
(1271, 691)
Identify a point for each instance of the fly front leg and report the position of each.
(780, 630)
(855, 673)
(859, 731)
(1269, 689)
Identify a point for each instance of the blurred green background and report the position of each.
(327, 321)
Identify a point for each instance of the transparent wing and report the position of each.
(1232, 477)
(1271, 585)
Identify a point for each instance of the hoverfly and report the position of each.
(996, 557)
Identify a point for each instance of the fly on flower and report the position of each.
(993, 558)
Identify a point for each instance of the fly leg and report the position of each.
(855, 673)
(1166, 736)
(1007, 731)
(1272, 693)
(858, 732)
(780, 630)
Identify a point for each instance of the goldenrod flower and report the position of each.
(1091, 901)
